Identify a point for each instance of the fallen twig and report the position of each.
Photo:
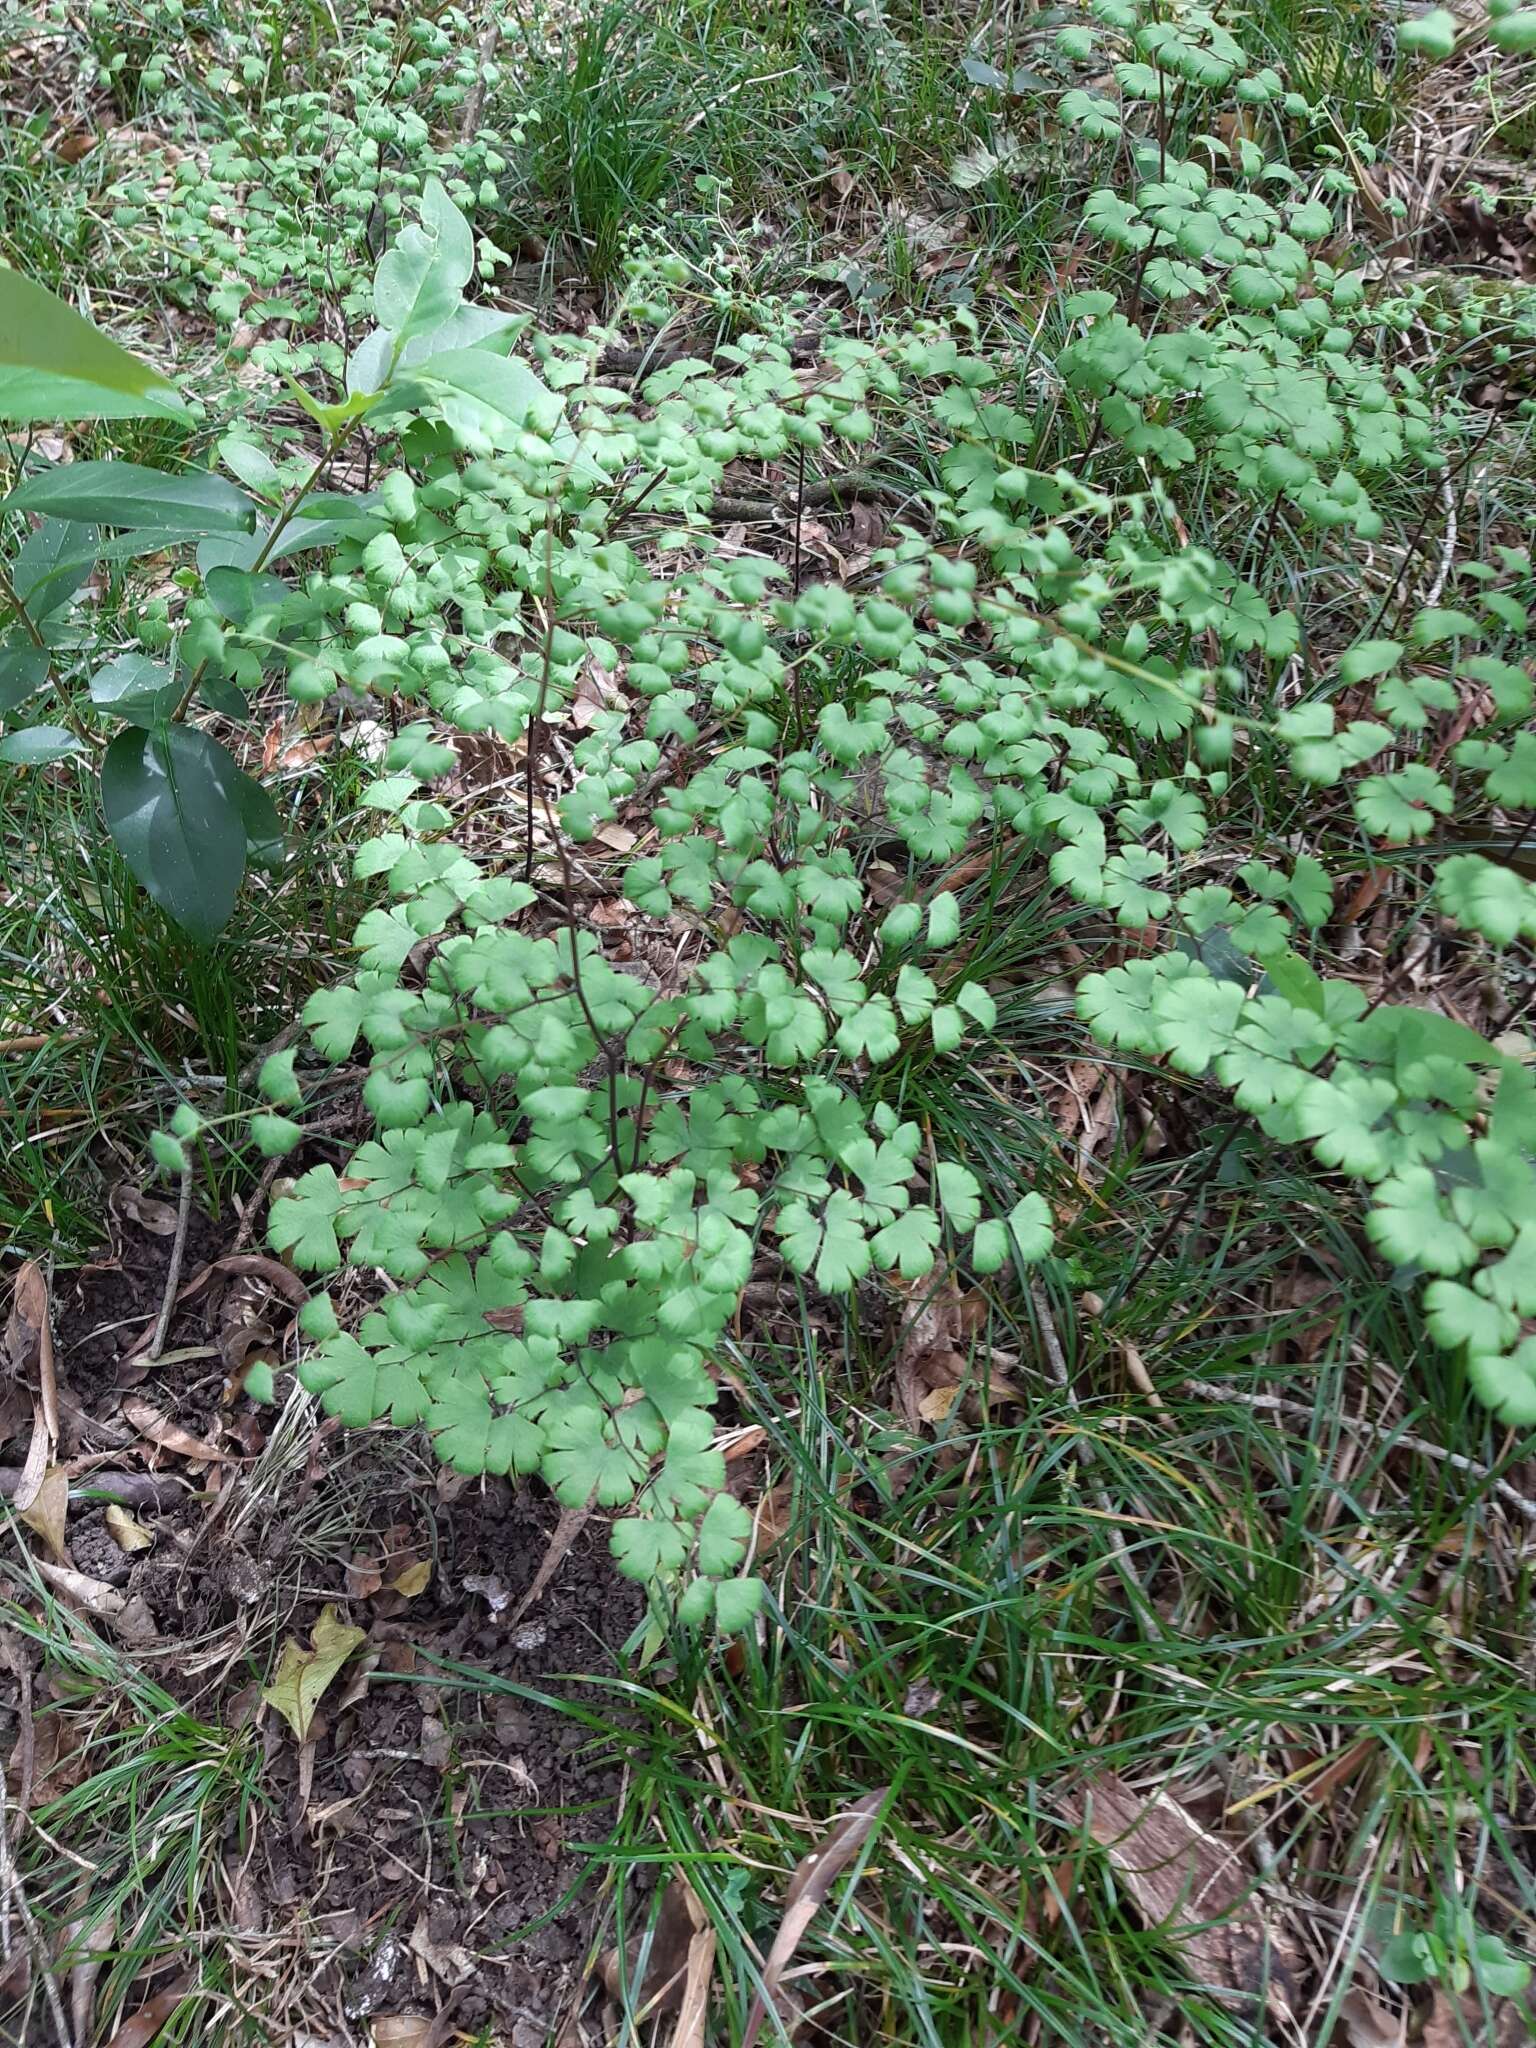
(128, 1489)
(1380, 1434)
(570, 1525)
(173, 1271)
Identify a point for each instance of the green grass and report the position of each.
(963, 1623)
(152, 1801)
(132, 1014)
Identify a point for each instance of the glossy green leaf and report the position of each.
(33, 746)
(135, 688)
(23, 672)
(174, 803)
(186, 502)
(56, 366)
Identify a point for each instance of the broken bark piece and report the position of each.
(1192, 1886)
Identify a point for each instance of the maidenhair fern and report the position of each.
(579, 1160)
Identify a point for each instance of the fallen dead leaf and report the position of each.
(1191, 1885)
(60, 1759)
(661, 1989)
(363, 1578)
(1369, 2025)
(159, 1218)
(694, 2016)
(445, 1959)
(302, 1676)
(95, 1595)
(436, 1745)
(136, 1622)
(814, 1878)
(170, 1436)
(412, 1582)
(125, 1532)
(146, 2023)
(405, 2030)
(89, 1940)
(48, 1511)
(35, 1470)
(937, 1360)
(28, 1341)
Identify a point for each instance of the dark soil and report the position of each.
(436, 1839)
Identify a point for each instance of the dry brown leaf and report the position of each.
(125, 1532)
(146, 2023)
(662, 1988)
(170, 1436)
(89, 1940)
(35, 1470)
(1369, 2025)
(28, 1341)
(95, 1595)
(693, 2015)
(937, 1361)
(814, 1878)
(403, 2030)
(1449, 2024)
(28, 1318)
(236, 1344)
(1444, 2026)
(445, 1959)
(363, 1578)
(48, 1511)
(159, 1218)
(1189, 1884)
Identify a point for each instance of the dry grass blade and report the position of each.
(694, 2016)
(808, 1888)
(1192, 1886)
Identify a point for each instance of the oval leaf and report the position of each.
(56, 366)
(192, 501)
(23, 670)
(173, 799)
(36, 745)
(135, 688)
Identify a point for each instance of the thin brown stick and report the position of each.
(1387, 1438)
(173, 1271)
(474, 105)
